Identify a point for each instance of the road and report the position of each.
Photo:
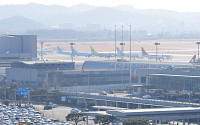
(60, 113)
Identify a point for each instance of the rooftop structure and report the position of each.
(158, 113)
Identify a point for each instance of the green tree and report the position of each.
(136, 122)
(105, 119)
(75, 117)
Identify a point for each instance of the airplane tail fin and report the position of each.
(119, 51)
(59, 49)
(144, 52)
(193, 59)
(93, 51)
(73, 50)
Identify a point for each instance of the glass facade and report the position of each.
(91, 77)
(173, 82)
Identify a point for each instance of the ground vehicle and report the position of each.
(85, 110)
(30, 105)
(52, 105)
(146, 96)
(75, 110)
(156, 91)
(111, 92)
(47, 107)
(102, 93)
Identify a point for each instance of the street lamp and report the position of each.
(198, 52)
(189, 97)
(72, 53)
(42, 44)
(122, 48)
(156, 49)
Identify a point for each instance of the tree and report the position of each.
(136, 122)
(105, 119)
(75, 117)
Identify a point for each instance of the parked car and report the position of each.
(52, 105)
(85, 110)
(102, 93)
(146, 96)
(30, 105)
(47, 107)
(75, 110)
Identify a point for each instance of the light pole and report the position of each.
(72, 53)
(189, 97)
(88, 82)
(42, 44)
(198, 53)
(115, 48)
(122, 48)
(156, 49)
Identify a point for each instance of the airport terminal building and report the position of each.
(61, 74)
(34, 73)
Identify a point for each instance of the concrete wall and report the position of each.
(20, 74)
(18, 47)
(30, 44)
(10, 43)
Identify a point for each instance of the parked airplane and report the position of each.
(106, 55)
(134, 55)
(61, 52)
(74, 52)
(194, 60)
(44, 52)
(145, 54)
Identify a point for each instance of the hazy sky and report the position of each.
(176, 5)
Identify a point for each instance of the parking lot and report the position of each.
(60, 113)
(13, 115)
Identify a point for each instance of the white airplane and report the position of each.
(106, 55)
(61, 52)
(145, 54)
(134, 55)
(194, 60)
(76, 53)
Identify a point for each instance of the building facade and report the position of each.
(18, 47)
(34, 74)
(61, 74)
(173, 82)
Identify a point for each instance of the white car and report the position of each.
(75, 110)
(146, 96)
(102, 93)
